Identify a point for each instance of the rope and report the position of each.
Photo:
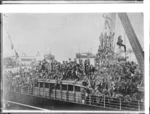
(125, 43)
(115, 33)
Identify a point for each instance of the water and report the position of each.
(15, 106)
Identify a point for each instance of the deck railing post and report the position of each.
(28, 90)
(74, 93)
(104, 101)
(14, 89)
(85, 99)
(139, 105)
(49, 91)
(60, 91)
(67, 94)
(39, 89)
(33, 90)
(21, 90)
(55, 92)
(120, 104)
(10, 87)
(74, 96)
(89, 99)
(43, 89)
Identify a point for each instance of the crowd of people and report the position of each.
(119, 80)
(66, 70)
(20, 77)
(109, 77)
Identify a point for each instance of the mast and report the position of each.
(113, 22)
(112, 28)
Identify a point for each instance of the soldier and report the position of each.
(107, 21)
(120, 43)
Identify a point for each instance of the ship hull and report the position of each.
(46, 103)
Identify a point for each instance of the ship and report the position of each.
(70, 94)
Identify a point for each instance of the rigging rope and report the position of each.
(116, 24)
(125, 44)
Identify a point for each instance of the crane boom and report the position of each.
(138, 51)
(12, 45)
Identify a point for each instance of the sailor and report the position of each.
(120, 43)
(107, 21)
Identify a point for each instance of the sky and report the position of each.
(62, 34)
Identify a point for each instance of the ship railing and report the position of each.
(77, 97)
(23, 89)
(113, 103)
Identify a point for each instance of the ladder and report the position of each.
(137, 49)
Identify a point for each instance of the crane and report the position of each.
(137, 49)
(12, 45)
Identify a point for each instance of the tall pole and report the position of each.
(113, 22)
(112, 29)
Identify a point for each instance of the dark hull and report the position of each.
(52, 103)
(49, 104)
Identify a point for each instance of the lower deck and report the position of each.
(47, 103)
(66, 100)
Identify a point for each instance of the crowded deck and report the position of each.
(112, 85)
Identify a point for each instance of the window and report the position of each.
(64, 87)
(41, 85)
(70, 87)
(58, 86)
(52, 85)
(77, 89)
(46, 85)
